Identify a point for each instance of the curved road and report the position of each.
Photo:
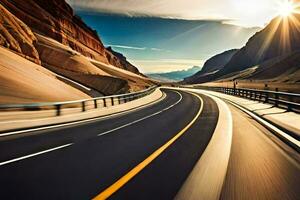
(145, 154)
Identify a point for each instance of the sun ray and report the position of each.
(285, 39)
(267, 41)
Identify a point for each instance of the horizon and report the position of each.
(149, 99)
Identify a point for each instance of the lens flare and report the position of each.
(286, 8)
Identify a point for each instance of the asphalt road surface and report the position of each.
(145, 154)
(92, 163)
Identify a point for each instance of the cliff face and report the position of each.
(119, 60)
(61, 45)
(211, 66)
(280, 37)
(15, 35)
(56, 19)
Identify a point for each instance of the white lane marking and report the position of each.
(81, 121)
(34, 154)
(208, 175)
(66, 145)
(141, 119)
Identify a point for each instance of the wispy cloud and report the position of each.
(242, 12)
(136, 48)
(156, 49)
(127, 47)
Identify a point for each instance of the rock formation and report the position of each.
(56, 19)
(15, 35)
(50, 35)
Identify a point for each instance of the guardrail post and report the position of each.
(95, 103)
(276, 97)
(260, 96)
(266, 97)
(119, 100)
(58, 107)
(83, 106)
(112, 101)
(289, 107)
(104, 102)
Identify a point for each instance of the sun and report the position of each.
(286, 8)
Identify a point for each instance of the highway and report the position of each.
(150, 153)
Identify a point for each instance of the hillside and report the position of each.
(50, 35)
(211, 67)
(280, 37)
(22, 81)
(270, 58)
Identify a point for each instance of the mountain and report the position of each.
(49, 34)
(269, 59)
(175, 75)
(211, 67)
(56, 20)
(22, 79)
(280, 37)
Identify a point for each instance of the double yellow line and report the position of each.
(132, 173)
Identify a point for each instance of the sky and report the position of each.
(170, 35)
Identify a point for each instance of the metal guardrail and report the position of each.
(289, 101)
(98, 102)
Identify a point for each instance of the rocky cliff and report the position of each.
(60, 47)
(119, 60)
(15, 35)
(56, 19)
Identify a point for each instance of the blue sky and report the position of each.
(170, 35)
(162, 45)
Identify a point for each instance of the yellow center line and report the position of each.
(127, 177)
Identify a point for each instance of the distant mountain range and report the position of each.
(174, 76)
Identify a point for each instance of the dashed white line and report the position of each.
(141, 119)
(34, 154)
(104, 133)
